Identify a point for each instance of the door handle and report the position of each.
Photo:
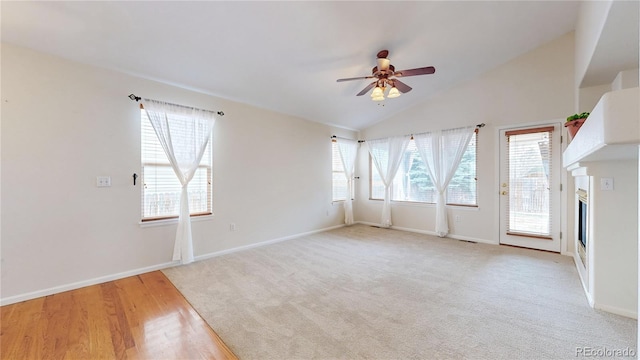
(504, 193)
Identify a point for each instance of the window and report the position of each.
(340, 187)
(160, 186)
(412, 182)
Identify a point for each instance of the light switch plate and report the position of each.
(103, 181)
(606, 184)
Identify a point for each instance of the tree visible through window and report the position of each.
(160, 186)
(412, 182)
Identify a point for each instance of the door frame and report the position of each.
(566, 187)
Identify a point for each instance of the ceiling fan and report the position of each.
(386, 76)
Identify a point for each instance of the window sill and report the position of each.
(174, 221)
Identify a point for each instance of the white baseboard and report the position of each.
(102, 279)
(433, 233)
(263, 243)
(84, 283)
(633, 313)
(616, 310)
(367, 223)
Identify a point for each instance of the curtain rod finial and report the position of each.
(133, 97)
(220, 113)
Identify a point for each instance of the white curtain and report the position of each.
(183, 133)
(348, 151)
(387, 156)
(442, 152)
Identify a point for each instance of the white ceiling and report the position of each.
(286, 56)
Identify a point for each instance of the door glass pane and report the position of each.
(529, 161)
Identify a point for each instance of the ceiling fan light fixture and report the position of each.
(393, 93)
(377, 92)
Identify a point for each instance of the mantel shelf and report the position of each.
(611, 132)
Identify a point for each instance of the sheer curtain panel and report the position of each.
(183, 133)
(348, 151)
(442, 152)
(387, 156)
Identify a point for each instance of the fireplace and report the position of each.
(582, 225)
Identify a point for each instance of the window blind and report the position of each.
(339, 184)
(161, 187)
(528, 166)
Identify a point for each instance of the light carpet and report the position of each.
(361, 292)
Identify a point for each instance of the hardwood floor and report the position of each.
(140, 317)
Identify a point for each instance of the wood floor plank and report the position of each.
(78, 344)
(100, 342)
(140, 317)
(121, 337)
(57, 309)
(21, 332)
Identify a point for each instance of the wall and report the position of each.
(65, 123)
(626, 79)
(589, 97)
(592, 17)
(537, 86)
(614, 236)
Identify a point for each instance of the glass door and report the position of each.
(530, 187)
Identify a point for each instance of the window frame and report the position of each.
(208, 166)
(371, 169)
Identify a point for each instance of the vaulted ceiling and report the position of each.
(286, 56)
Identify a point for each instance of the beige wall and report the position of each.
(614, 249)
(64, 123)
(592, 17)
(533, 88)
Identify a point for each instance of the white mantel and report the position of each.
(612, 131)
(606, 147)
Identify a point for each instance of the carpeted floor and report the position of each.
(367, 293)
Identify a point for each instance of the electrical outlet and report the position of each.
(457, 218)
(103, 181)
(233, 227)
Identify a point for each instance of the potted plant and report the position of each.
(574, 122)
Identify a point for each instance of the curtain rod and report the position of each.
(333, 138)
(138, 98)
(477, 127)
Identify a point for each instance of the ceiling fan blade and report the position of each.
(365, 90)
(404, 88)
(419, 71)
(355, 78)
